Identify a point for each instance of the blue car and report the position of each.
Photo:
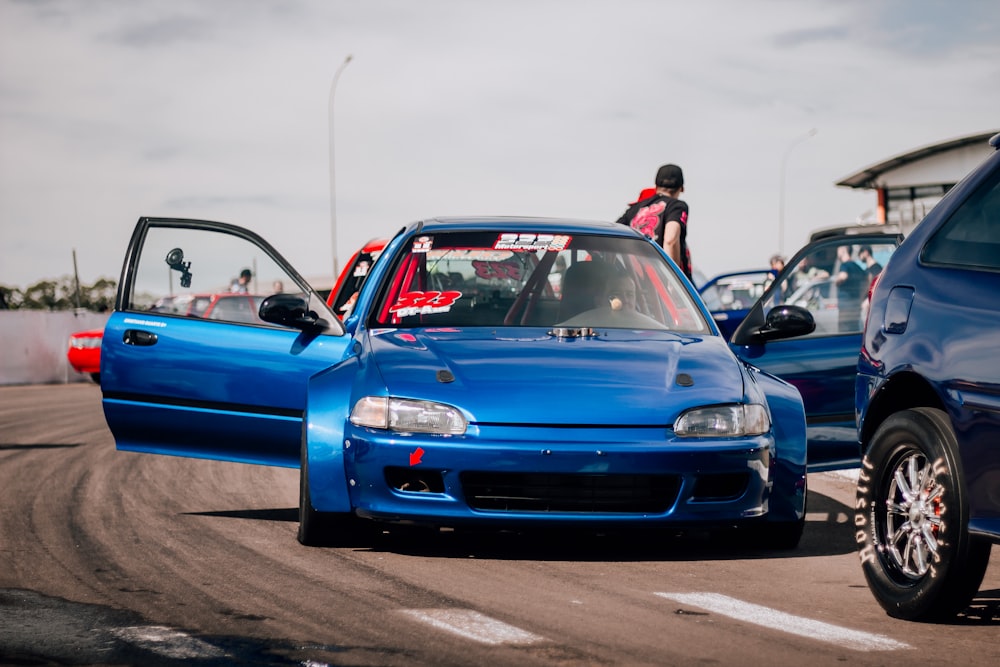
(829, 278)
(928, 406)
(506, 372)
(729, 296)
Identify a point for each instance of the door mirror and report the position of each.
(786, 321)
(289, 310)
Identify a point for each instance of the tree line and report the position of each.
(60, 294)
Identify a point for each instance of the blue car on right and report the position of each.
(928, 408)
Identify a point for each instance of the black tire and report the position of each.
(325, 529)
(96, 377)
(781, 535)
(916, 552)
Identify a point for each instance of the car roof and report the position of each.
(891, 229)
(518, 223)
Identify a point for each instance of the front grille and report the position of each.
(543, 492)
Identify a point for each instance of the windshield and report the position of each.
(497, 278)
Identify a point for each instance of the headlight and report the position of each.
(723, 421)
(408, 416)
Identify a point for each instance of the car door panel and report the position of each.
(823, 364)
(184, 385)
(823, 370)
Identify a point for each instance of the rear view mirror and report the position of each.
(786, 321)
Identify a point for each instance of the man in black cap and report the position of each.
(663, 217)
(242, 284)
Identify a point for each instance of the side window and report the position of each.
(205, 274)
(971, 237)
(832, 282)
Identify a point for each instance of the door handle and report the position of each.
(138, 337)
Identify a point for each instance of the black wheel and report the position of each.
(781, 535)
(912, 516)
(96, 377)
(325, 529)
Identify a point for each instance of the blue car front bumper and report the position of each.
(498, 475)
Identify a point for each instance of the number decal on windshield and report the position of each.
(423, 303)
(497, 270)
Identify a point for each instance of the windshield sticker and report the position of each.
(424, 303)
(497, 270)
(521, 242)
(469, 254)
(422, 244)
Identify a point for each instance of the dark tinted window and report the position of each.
(971, 236)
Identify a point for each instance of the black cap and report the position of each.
(669, 176)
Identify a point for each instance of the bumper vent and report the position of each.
(542, 492)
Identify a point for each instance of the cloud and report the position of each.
(219, 110)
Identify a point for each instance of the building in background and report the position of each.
(909, 185)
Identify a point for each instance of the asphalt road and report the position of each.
(112, 558)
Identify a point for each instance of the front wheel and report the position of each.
(912, 517)
(781, 535)
(325, 529)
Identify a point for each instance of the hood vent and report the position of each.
(573, 332)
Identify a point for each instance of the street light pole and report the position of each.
(333, 185)
(781, 203)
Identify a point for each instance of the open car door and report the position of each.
(822, 364)
(218, 383)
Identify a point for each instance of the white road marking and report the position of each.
(473, 625)
(825, 517)
(796, 625)
(168, 642)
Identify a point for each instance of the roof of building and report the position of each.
(868, 177)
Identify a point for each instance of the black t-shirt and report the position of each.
(854, 285)
(650, 216)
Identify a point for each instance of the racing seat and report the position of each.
(582, 284)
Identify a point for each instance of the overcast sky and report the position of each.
(218, 109)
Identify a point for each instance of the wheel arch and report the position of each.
(901, 391)
(327, 408)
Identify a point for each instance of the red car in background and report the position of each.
(85, 346)
(84, 352)
(345, 291)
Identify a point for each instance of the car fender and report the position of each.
(788, 421)
(328, 405)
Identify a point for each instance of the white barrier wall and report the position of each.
(33, 345)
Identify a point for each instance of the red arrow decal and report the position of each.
(415, 456)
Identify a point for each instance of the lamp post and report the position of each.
(333, 185)
(781, 203)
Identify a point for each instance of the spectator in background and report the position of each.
(873, 267)
(777, 264)
(663, 217)
(851, 288)
(242, 284)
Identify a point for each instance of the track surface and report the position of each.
(109, 557)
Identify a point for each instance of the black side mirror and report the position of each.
(289, 310)
(786, 321)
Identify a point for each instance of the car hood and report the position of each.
(525, 376)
